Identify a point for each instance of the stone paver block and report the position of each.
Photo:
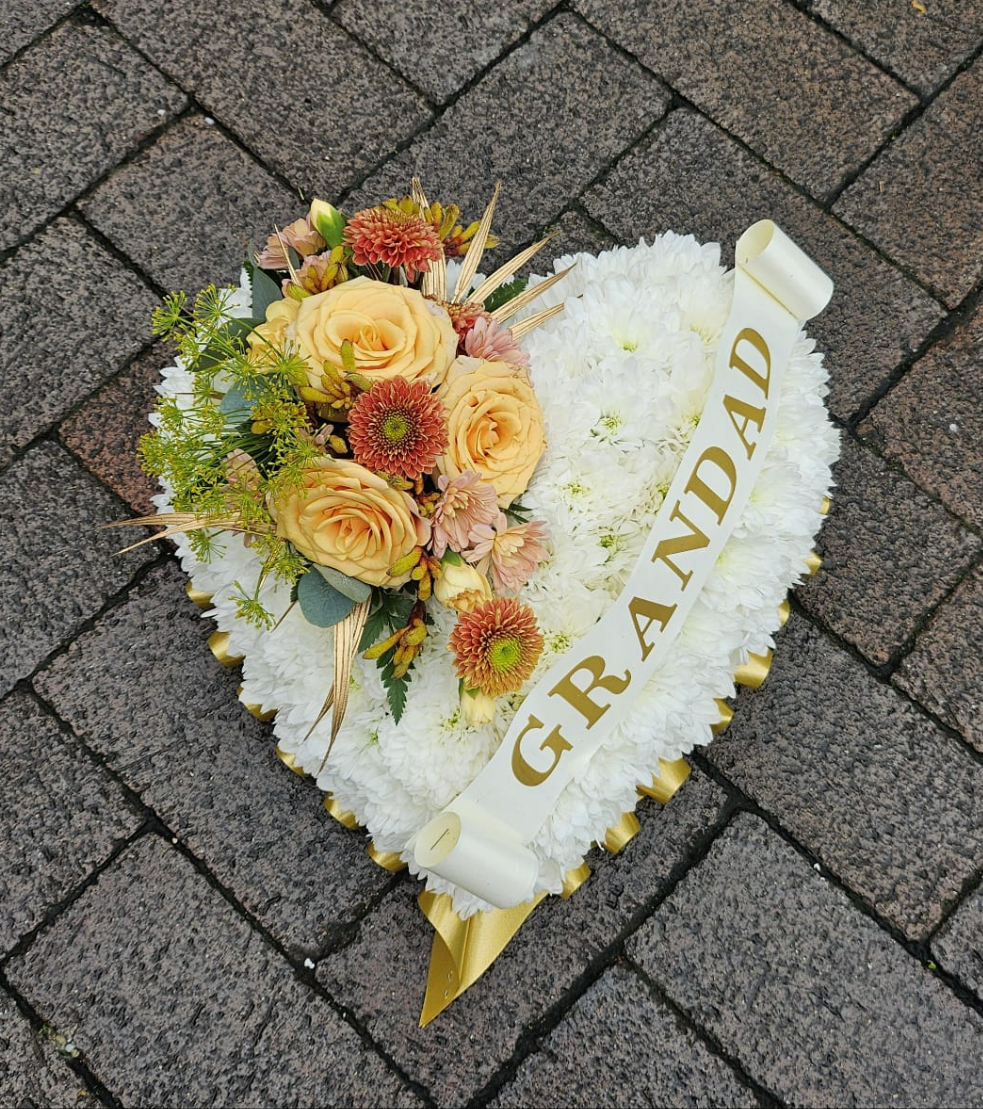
(890, 554)
(199, 234)
(303, 95)
(105, 431)
(619, 1046)
(888, 801)
(943, 671)
(176, 733)
(815, 1001)
(959, 945)
(60, 816)
(381, 977)
(70, 315)
(920, 200)
(57, 567)
(439, 49)
(691, 178)
(572, 234)
(52, 147)
(539, 89)
(932, 421)
(22, 20)
(31, 1072)
(923, 44)
(176, 1001)
(790, 89)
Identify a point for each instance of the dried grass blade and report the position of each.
(477, 248)
(523, 327)
(527, 296)
(503, 273)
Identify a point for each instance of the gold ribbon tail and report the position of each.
(347, 634)
(464, 949)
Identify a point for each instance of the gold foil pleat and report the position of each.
(753, 672)
(825, 506)
(218, 643)
(726, 715)
(388, 860)
(199, 596)
(664, 785)
(618, 835)
(341, 815)
(574, 880)
(290, 761)
(784, 612)
(813, 562)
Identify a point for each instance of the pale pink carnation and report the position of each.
(466, 504)
(301, 235)
(489, 340)
(511, 553)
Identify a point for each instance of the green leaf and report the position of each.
(389, 612)
(504, 293)
(452, 558)
(351, 588)
(265, 290)
(395, 687)
(322, 605)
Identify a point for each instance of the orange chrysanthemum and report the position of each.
(398, 427)
(496, 647)
(394, 238)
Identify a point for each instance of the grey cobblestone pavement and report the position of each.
(181, 923)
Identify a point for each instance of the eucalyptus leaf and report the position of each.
(322, 605)
(265, 290)
(351, 588)
(236, 405)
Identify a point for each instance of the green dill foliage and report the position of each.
(244, 440)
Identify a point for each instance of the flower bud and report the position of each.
(329, 222)
(461, 587)
(477, 708)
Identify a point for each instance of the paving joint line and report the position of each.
(918, 950)
(46, 32)
(767, 1098)
(532, 1038)
(77, 1064)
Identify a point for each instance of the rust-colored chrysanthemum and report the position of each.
(465, 316)
(394, 238)
(496, 647)
(398, 427)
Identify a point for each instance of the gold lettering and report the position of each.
(653, 613)
(749, 335)
(750, 414)
(679, 543)
(554, 742)
(580, 698)
(718, 457)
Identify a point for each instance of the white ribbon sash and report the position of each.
(479, 841)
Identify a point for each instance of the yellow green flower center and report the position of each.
(504, 653)
(395, 427)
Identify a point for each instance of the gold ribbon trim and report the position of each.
(343, 816)
(464, 949)
(813, 562)
(726, 716)
(574, 880)
(199, 596)
(618, 835)
(753, 672)
(218, 644)
(388, 860)
(290, 761)
(665, 784)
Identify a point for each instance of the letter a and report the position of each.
(749, 335)
(654, 613)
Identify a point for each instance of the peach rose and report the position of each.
(394, 332)
(346, 517)
(461, 587)
(494, 425)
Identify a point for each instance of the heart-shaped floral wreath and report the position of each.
(400, 512)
